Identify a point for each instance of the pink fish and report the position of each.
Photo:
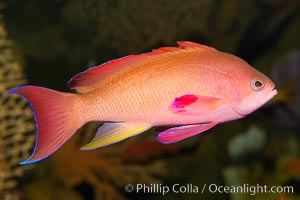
(192, 88)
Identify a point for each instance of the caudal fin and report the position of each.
(55, 116)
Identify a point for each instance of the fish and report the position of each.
(191, 88)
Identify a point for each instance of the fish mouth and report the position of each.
(273, 93)
(269, 94)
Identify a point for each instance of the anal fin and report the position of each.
(110, 133)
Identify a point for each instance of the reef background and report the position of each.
(48, 42)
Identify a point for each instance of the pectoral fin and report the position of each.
(179, 133)
(110, 133)
(191, 104)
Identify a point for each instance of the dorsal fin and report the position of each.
(164, 50)
(187, 44)
(89, 80)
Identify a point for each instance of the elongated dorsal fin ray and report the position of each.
(91, 78)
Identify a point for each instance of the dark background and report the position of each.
(54, 40)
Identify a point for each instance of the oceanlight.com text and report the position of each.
(250, 189)
(211, 188)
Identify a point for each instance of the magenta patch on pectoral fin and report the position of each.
(191, 104)
(182, 132)
(183, 101)
(54, 119)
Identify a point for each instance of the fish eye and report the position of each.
(257, 84)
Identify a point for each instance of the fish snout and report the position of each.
(273, 92)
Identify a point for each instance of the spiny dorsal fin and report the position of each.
(164, 50)
(89, 80)
(187, 44)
